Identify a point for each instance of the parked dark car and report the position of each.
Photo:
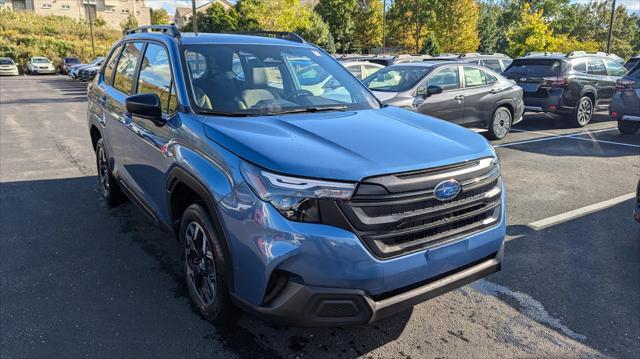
(572, 86)
(67, 62)
(465, 94)
(632, 62)
(89, 72)
(73, 70)
(284, 201)
(495, 61)
(625, 105)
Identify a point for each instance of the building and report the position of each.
(183, 14)
(113, 12)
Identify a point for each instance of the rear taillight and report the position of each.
(555, 81)
(625, 84)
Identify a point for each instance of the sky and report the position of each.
(170, 5)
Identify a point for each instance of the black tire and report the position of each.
(583, 112)
(204, 266)
(500, 123)
(108, 185)
(628, 127)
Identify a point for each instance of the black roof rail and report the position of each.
(165, 29)
(285, 35)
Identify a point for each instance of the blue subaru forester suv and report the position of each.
(294, 193)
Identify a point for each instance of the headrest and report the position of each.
(259, 76)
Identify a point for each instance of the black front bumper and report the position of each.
(306, 306)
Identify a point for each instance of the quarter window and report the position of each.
(126, 68)
(111, 65)
(493, 65)
(580, 66)
(447, 78)
(155, 76)
(474, 77)
(614, 68)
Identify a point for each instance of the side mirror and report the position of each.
(147, 106)
(433, 90)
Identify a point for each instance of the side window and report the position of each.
(111, 65)
(596, 67)
(356, 70)
(447, 78)
(580, 66)
(493, 65)
(274, 77)
(126, 68)
(614, 68)
(474, 77)
(197, 64)
(155, 75)
(369, 70)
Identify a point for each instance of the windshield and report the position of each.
(40, 60)
(396, 78)
(535, 67)
(71, 60)
(6, 62)
(96, 61)
(244, 79)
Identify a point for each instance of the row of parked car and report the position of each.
(492, 91)
(37, 65)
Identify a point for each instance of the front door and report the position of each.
(446, 105)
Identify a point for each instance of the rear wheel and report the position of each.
(500, 124)
(109, 188)
(582, 115)
(204, 265)
(628, 127)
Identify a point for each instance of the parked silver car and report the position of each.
(361, 69)
(466, 94)
(40, 65)
(8, 67)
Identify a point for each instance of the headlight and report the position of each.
(295, 198)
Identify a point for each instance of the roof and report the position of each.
(182, 11)
(189, 38)
(429, 63)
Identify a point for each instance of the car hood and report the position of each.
(346, 145)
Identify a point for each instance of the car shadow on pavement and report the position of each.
(541, 122)
(82, 279)
(585, 272)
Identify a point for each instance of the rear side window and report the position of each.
(155, 75)
(596, 67)
(614, 68)
(493, 65)
(580, 66)
(506, 62)
(111, 65)
(474, 77)
(126, 68)
(535, 67)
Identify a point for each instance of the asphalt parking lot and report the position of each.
(79, 279)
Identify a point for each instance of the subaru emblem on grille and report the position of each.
(447, 190)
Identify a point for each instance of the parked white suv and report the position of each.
(8, 67)
(40, 65)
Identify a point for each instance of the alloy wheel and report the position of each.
(103, 171)
(199, 263)
(585, 110)
(501, 122)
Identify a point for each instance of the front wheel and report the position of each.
(500, 124)
(582, 115)
(204, 265)
(628, 127)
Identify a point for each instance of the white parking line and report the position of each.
(603, 141)
(567, 216)
(528, 141)
(553, 136)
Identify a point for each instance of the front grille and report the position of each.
(398, 213)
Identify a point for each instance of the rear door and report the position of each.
(99, 95)
(117, 121)
(479, 95)
(604, 84)
(447, 105)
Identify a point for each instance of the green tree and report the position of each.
(430, 45)
(409, 21)
(489, 31)
(159, 17)
(339, 16)
(456, 25)
(129, 23)
(317, 32)
(368, 24)
(530, 33)
(100, 22)
(216, 19)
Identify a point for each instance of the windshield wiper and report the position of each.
(225, 113)
(309, 109)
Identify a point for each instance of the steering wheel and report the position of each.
(297, 93)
